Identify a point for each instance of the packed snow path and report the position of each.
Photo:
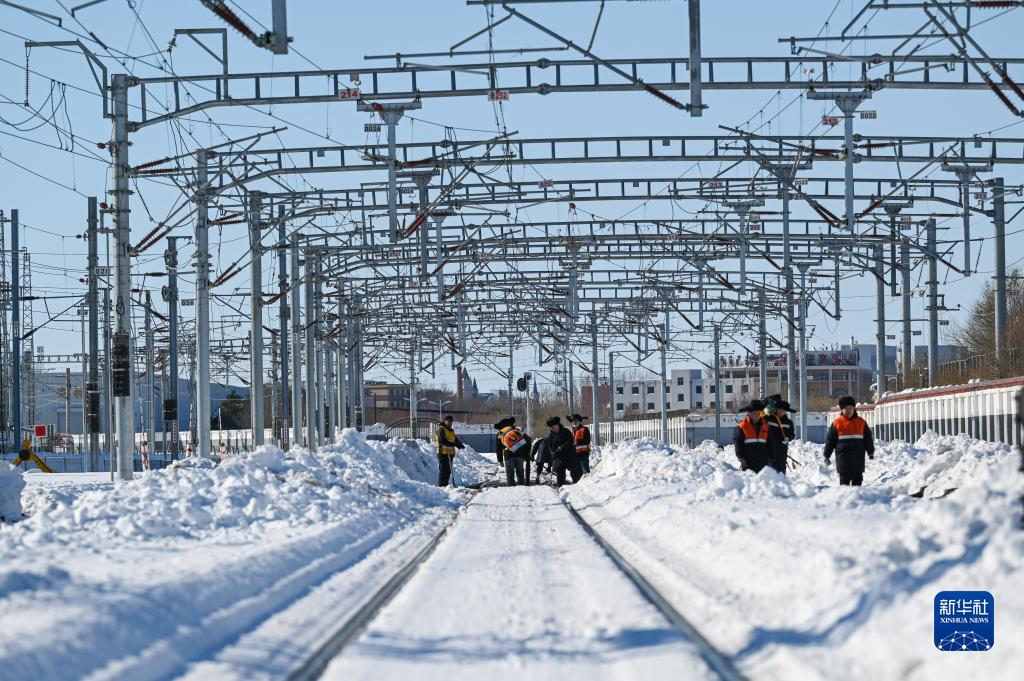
(518, 590)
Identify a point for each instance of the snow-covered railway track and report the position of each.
(715, 659)
(313, 666)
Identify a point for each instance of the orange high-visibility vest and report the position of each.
(578, 437)
(752, 435)
(513, 439)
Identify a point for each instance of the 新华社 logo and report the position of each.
(964, 621)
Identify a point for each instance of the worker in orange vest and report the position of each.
(581, 439)
(751, 438)
(517, 448)
(850, 438)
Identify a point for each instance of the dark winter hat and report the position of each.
(577, 417)
(755, 405)
(783, 404)
(554, 421)
(847, 401)
(505, 422)
(448, 417)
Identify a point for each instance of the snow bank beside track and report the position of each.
(798, 578)
(139, 579)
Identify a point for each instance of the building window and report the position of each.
(712, 390)
(680, 398)
(745, 389)
(650, 406)
(728, 387)
(700, 405)
(680, 381)
(650, 390)
(635, 390)
(699, 389)
(618, 406)
(618, 390)
(635, 406)
(730, 405)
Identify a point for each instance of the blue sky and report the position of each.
(340, 34)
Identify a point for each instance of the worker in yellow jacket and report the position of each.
(447, 444)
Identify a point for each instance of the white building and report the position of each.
(687, 389)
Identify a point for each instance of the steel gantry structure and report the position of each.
(431, 256)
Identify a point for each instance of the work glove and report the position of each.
(828, 461)
(743, 464)
(871, 456)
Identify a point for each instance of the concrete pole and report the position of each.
(611, 387)
(595, 382)
(572, 383)
(15, 331)
(343, 364)
(664, 379)
(256, 314)
(933, 305)
(201, 447)
(93, 386)
(999, 224)
(412, 386)
(787, 266)
(718, 384)
(67, 399)
(311, 394)
(696, 102)
(965, 175)
(123, 368)
(907, 347)
(108, 393)
(295, 315)
(283, 314)
(880, 376)
(762, 344)
(329, 392)
(171, 297)
(150, 376)
(803, 352)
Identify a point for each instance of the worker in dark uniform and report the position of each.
(780, 431)
(447, 443)
(751, 438)
(850, 438)
(541, 456)
(581, 438)
(563, 452)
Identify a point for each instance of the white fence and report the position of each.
(696, 428)
(986, 410)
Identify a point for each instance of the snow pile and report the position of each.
(418, 459)
(11, 484)
(194, 498)
(796, 577)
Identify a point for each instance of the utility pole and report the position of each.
(611, 388)
(511, 377)
(283, 313)
(907, 365)
(718, 384)
(15, 331)
(108, 391)
(170, 296)
(787, 266)
(762, 344)
(150, 377)
(664, 377)
(847, 103)
(343, 363)
(122, 368)
(933, 305)
(803, 351)
(295, 315)
(311, 390)
(256, 314)
(67, 399)
(880, 319)
(92, 387)
(595, 379)
(201, 448)
(999, 225)
(696, 103)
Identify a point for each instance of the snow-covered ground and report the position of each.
(797, 578)
(238, 571)
(155, 577)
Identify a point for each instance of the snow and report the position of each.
(797, 578)
(143, 579)
(11, 484)
(517, 590)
